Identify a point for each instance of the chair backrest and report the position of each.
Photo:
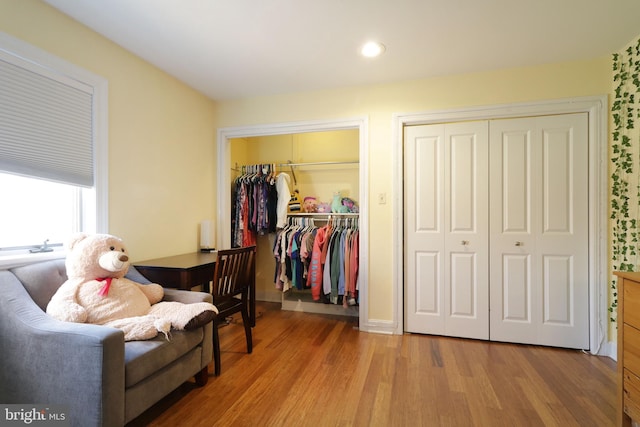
(42, 279)
(234, 272)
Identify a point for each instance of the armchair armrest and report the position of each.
(48, 361)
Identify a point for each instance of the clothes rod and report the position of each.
(322, 214)
(354, 162)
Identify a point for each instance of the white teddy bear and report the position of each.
(97, 292)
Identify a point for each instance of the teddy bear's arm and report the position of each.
(63, 305)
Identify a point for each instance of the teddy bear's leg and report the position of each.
(184, 316)
(140, 327)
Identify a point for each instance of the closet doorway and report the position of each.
(472, 240)
(318, 170)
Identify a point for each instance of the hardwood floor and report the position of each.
(315, 370)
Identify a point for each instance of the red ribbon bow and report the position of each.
(105, 289)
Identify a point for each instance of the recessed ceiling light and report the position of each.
(372, 49)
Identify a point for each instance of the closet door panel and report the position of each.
(516, 181)
(446, 237)
(428, 295)
(558, 290)
(463, 285)
(466, 236)
(558, 183)
(513, 305)
(548, 225)
(424, 231)
(427, 193)
(514, 320)
(462, 189)
(563, 237)
(516, 288)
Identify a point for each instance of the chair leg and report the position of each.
(216, 346)
(246, 321)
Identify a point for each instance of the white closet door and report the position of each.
(539, 231)
(446, 229)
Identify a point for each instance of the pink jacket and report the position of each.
(314, 276)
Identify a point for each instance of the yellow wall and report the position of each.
(161, 133)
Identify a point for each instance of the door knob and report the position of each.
(519, 244)
(465, 242)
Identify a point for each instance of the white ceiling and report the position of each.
(243, 48)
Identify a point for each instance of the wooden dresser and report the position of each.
(628, 348)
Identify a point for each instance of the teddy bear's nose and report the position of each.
(123, 258)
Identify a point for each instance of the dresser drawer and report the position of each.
(632, 301)
(631, 398)
(631, 354)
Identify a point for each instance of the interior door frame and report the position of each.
(224, 187)
(596, 108)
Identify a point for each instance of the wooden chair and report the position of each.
(231, 287)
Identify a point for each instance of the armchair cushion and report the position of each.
(143, 358)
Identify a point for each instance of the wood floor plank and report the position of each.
(317, 370)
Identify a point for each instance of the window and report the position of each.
(28, 220)
(53, 145)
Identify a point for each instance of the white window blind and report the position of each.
(46, 124)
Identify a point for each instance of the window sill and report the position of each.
(18, 259)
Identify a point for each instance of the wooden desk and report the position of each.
(186, 271)
(180, 271)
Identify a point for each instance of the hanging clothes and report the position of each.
(255, 204)
(283, 183)
(323, 259)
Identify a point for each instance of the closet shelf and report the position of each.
(301, 300)
(350, 162)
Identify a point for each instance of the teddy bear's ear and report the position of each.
(75, 239)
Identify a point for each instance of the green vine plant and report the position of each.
(625, 159)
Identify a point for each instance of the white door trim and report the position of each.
(224, 186)
(596, 107)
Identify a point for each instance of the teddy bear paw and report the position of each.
(200, 320)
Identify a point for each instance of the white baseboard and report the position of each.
(386, 327)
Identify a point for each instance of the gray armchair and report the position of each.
(102, 380)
